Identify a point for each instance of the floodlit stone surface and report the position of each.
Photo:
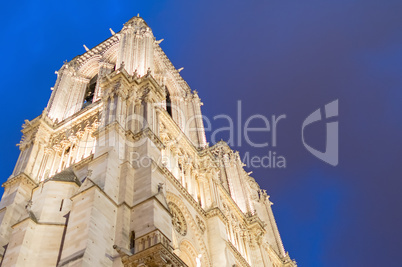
(116, 171)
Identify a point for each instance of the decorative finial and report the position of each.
(86, 48)
(138, 15)
(111, 31)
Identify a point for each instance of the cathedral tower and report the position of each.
(116, 171)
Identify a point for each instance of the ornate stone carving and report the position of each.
(201, 178)
(178, 220)
(201, 224)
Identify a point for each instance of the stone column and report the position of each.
(203, 183)
(213, 183)
(41, 172)
(188, 178)
(57, 150)
(201, 138)
(104, 69)
(64, 144)
(80, 144)
(255, 250)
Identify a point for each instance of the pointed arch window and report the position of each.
(90, 92)
(168, 102)
(132, 241)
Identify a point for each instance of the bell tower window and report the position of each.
(168, 102)
(132, 241)
(90, 92)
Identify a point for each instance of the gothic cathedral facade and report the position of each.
(116, 171)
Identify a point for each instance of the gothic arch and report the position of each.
(174, 89)
(193, 225)
(110, 55)
(188, 253)
(90, 67)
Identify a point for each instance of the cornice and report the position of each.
(147, 132)
(115, 125)
(21, 177)
(232, 203)
(81, 115)
(216, 212)
(38, 223)
(178, 133)
(237, 254)
(168, 64)
(133, 80)
(99, 49)
(285, 261)
(181, 189)
(96, 186)
(255, 221)
(83, 162)
(155, 255)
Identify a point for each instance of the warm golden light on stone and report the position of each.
(116, 171)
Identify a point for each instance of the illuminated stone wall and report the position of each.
(116, 171)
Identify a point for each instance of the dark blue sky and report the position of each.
(277, 57)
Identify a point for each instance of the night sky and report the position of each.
(276, 57)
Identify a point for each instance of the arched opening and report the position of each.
(184, 256)
(132, 241)
(187, 246)
(90, 92)
(168, 102)
(188, 253)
